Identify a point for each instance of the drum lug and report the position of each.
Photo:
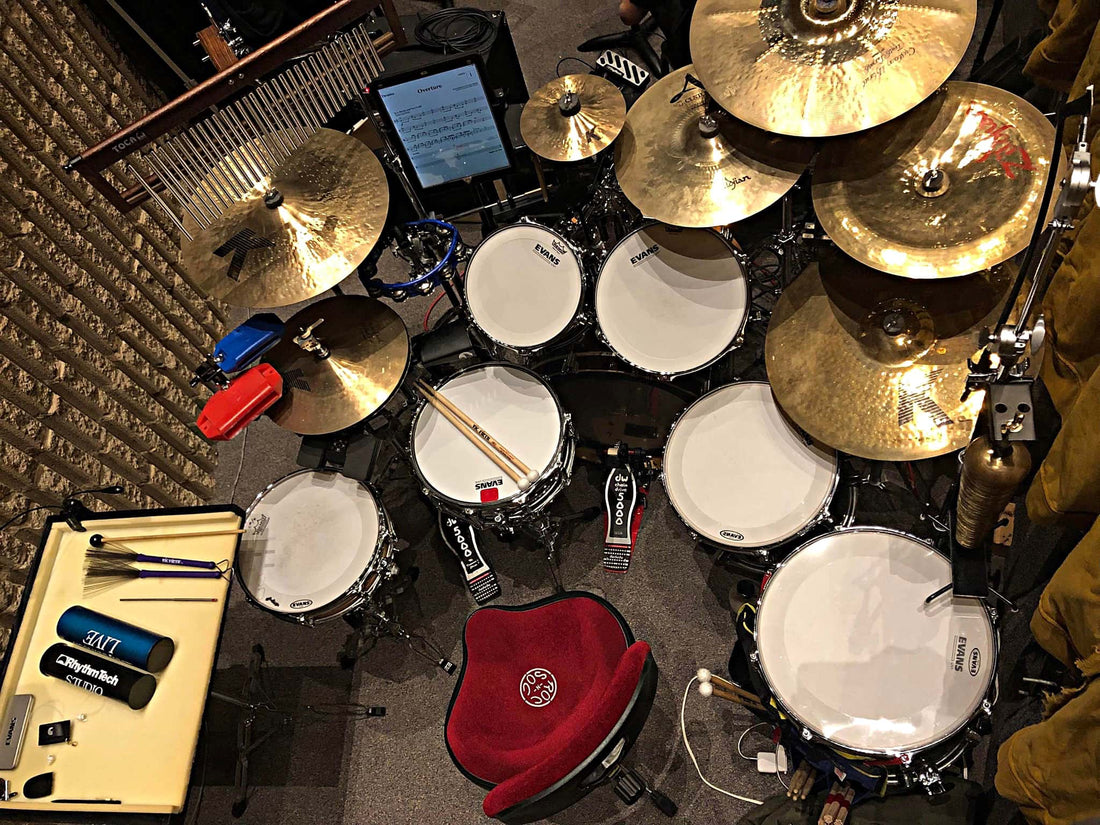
(807, 734)
(987, 707)
(391, 570)
(468, 511)
(929, 777)
(754, 657)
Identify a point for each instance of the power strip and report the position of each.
(628, 70)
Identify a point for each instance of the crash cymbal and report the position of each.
(327, 214)
(685, 169)
(816, 68)
(572, 117)
(948, 189)
(874, 365)
(350, 356)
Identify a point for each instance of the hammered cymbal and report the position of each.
(875, 365)
(334, 204)
(674, 173)
(363, 358)
(572, 117)
(793, 67)
(948, 189)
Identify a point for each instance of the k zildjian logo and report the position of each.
(240, 245)
(915, 398)
(297, 379)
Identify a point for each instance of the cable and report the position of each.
(27, 512)
(428, 314)
(456, 30)
(691, 753)
(557, 69)
(741, 738)
(240, 466)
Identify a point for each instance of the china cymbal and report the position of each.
(948, 189)
(352, 356)
(874, 365)
(334, 200)
(682, 168)
(572, 117)
(816, 68)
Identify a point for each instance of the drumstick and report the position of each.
(97, 540)
(832, 804)
(707, 689)
(427, 390)
(476, 440)
(720, 684)
(845, 806)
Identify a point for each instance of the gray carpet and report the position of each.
(396, 769)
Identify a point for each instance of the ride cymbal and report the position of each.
(300, 232)
(685, 168)
(874, 365)
(572, 117)
(341, 359)
(816, 68)
(948, 189)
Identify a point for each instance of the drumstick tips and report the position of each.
(531, 478)
(706, 688)
(523, 483)
(703, 675)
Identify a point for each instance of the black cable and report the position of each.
(455, 30)
(27, 512)
(557, 69)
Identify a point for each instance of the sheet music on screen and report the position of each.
(446, 126)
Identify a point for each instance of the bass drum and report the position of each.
(610, 405)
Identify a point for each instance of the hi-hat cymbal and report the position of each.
(352, 356)
(874, 365)
(816, 68)
(948, 189)
(682, 168)
(572, 117)
(331, 204)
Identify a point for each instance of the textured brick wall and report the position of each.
(99, 324)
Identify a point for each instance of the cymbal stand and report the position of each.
(375, 621)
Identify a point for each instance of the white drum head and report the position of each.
(309, 538)
(739, 474)
(671, 300)
(850, 649)
(523, 285)
(514, 406)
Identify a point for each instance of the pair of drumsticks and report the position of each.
(493, 449)
(711, 684)
(837, 805)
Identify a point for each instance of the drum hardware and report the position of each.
(461, 537)
(821, 69)
(381, 621)
(572, 117)
(434, 251)
(671, 301)
(626, 494)
(951, 188)
(682, 161)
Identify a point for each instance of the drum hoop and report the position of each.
(532, 348)
(489, 506)
(384, 536)
(729, 346)
(815, 519)
(959, 726)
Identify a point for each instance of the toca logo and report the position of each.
(300, 603)
(732, 535)
(546, 253)
(960, 653)
(975, 661)
(645, 253)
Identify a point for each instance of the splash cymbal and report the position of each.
(875, 365)
(948, 189)
(572, 117)
(331, 205)
(816, 68)
(682, 168)
(341, 359)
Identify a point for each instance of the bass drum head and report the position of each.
(513, 405)
(523, 285)
(849, 648)
(739, 474)
(671, 301)
(309, 538)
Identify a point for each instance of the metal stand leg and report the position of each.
(375, 622)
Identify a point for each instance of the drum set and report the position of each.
(608, 336)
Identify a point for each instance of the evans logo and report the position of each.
(300, 603)
(960, 653)
(975, 661)
(546, 253)
(732, 535)
(645, 253)
(485, 485)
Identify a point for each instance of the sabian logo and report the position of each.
(645, 253)
(960, 653)
(485, 485)
(546, 253)
(733, 535)
(301, 603)
(975, 661)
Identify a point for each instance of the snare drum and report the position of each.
(671, 301)
(524, 287)
(521, 412)
(316, 546)
(740, 475)
(857, 660)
